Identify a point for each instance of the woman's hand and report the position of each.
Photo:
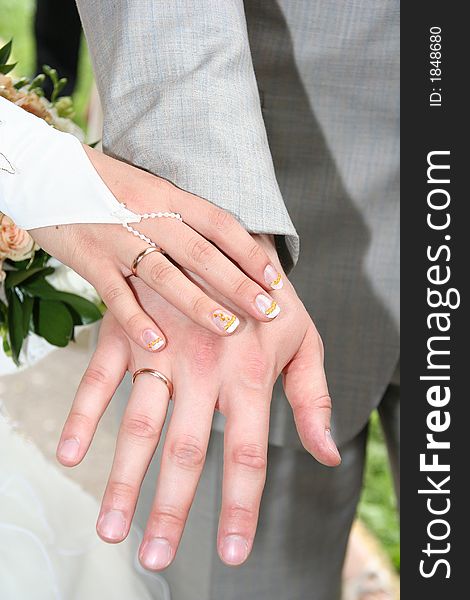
(103, 254)
(235, 375)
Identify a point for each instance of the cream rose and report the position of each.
(15, 243)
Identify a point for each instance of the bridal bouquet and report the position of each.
(38, 295)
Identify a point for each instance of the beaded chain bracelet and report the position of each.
(152, 215)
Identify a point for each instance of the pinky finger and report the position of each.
(119, 298)
(101, 379)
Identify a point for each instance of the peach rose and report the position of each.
(15, 243)
(2, 273)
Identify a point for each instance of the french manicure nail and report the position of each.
(331, 444)
(273, 278)
(152, 340)
(112, 525)
(234, 549)
(156, 554)
(267, 306)
(225, 321)
(68, 450)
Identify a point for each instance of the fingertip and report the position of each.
(333, 448)
(234, 550)
(68, 452)
(225, 322)
(273, 278)
(153, 341)
(112, 527)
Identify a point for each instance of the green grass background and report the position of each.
(377, 508)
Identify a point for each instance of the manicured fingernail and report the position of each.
(225, 321)
(156, 554)
(331, 443)
(273, 278)
(267, 307)
(112, 525)
(68, 449)
(152, 340)
(234, 550)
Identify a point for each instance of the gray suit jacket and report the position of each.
(269, 104)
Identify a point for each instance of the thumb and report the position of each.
(307, 391)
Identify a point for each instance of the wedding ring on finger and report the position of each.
(157, 375)
(142, 255)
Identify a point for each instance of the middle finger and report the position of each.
(182, 462)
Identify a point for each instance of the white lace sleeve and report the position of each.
(46, 177)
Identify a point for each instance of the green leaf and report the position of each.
(4, 69)
(5, 52)
(15, 278)
(39, 260)
(28, 304)
(53, 322)
(89, 312)
(15, 324)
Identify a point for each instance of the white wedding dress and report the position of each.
(49, 549)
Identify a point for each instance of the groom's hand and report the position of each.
(235, 375)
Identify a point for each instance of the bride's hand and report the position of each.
(235, 375)
(103, 254)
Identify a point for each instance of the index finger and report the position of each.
(222, 228)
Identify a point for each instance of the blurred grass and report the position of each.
(377, 507)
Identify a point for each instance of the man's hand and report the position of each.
(234, 375)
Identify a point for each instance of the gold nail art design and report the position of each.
(271, 309)
(277, 281)
(154, 344)
(226, 321)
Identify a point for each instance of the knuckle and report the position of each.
(80, 420)
(256, 372)
(132, 322)
(187, 452)
(112, 292)
(199, 250)
(255, 252)
(120, 494)
(141, 427)
(251, 457)
(323, 402)
(204, 352)
(167, 516)
(162, 272)
(240, 513)
(222, 220)
(198, 304)
(95, 376)
(243, 286)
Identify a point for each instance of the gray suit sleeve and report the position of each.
(180, 99)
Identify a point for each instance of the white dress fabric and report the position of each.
(49, 549)
(46, 177)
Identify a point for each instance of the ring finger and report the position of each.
(138, 438)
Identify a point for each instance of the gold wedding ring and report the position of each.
(142, 255)
(156, 374)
